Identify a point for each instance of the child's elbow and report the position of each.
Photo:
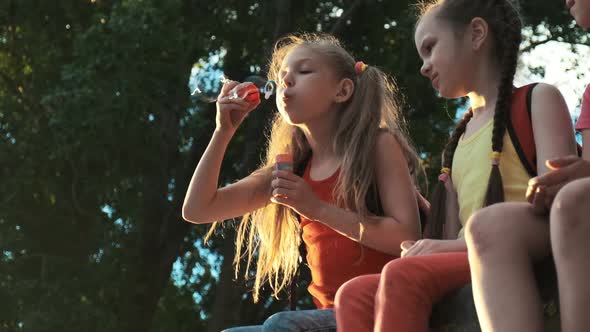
(190, 214)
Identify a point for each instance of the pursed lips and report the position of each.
(285, 99)
(434, 80)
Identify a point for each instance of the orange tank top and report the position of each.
(333, 258)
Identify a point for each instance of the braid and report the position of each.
(505, 27)
(449, 151)
(507, 39)
(436, 221)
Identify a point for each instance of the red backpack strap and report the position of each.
(520, 128)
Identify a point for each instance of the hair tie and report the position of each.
(496, 158)
(444, 174)
(360, 67)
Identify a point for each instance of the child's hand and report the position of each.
(291, 190)
(232, 111)
(542, 189)
(541, 202)
(428, 247)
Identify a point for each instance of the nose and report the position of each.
(288, 81)
(426, 69)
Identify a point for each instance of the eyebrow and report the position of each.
(303, 60)
(298, 62)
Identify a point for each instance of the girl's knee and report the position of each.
(300, 320)
(348, 290)
(402, 272)
(408, 280)
(571, 208)
(280, 321)
(486, 227)
(507, 230)
(355, 299)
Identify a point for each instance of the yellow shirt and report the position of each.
(472, 167)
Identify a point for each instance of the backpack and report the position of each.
(520, 128)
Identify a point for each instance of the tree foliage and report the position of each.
(99, 137)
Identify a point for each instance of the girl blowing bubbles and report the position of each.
(469, 49)
(503, 279)
(351, 197)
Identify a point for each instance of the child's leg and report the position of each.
(570, 240)
(410, 286)
(301, 321)
(294, 321)
(355, 304)
(503, 241)
(251, 328)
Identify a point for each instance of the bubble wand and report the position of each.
(249, 92)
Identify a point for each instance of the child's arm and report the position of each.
(204, 203)
(400, 220)
(384, 233)
(554, 140)
(543, 189)
(552, 126)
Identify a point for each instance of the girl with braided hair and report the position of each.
(469, 49)
(560, 198)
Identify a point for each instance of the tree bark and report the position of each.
(228, 293)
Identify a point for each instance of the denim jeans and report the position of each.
(294, 321)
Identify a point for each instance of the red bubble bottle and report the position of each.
(284, 162)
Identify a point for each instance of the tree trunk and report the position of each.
(228, 293)
(161, 229)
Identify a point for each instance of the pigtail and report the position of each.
(507, 38)
(372, 109)
(270, 237)
(438, 200)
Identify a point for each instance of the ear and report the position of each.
(345, 90)
(479, 30)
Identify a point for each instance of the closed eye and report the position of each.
(428, 48)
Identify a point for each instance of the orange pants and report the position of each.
(402, 296)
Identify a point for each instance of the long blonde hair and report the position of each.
(272, 233)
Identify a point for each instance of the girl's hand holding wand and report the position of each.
(231, 111)
(291, 190)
